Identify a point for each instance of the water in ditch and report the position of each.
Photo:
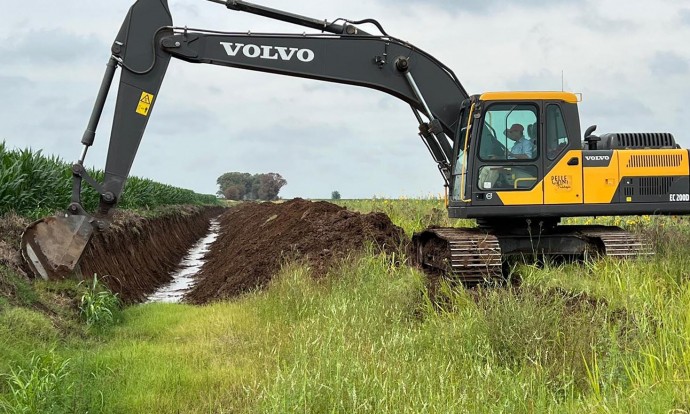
(183, 279)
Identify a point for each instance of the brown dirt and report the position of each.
(256, 238)
(137, 255)
(134, 257)
(11, 228)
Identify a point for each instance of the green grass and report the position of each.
(608, 336)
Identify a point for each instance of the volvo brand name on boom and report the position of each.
(268, 52)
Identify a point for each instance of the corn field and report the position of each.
(35, 185)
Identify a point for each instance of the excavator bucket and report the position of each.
(53, 246)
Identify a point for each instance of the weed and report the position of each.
(98, 306)
(40, 387)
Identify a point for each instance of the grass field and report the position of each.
(601, 337)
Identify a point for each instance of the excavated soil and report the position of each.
(134, 257)
(255, 239)
(137, 255)
(11, 228)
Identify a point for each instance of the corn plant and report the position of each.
(98, 306)
(35, 185)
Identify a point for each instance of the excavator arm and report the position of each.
(147, 41)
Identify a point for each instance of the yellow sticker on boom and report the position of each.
(145, 103)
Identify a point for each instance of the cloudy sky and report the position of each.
(629, 59)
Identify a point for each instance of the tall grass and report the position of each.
(368, 339)
(98, 306)
(607, 336)
(35, 185)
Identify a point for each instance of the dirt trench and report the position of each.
(255, 239)
(136, 255)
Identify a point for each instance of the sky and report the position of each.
(630, 60)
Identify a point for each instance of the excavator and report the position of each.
(513, 161)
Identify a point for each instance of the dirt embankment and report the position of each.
(136, 255)
(11, 228)
(256, 238)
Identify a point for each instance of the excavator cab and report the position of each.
(518, 152)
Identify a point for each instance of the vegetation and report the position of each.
(606, 336)
(335, 195)
(98, 306)
(35, 185)
(41, 387)
(244, 186)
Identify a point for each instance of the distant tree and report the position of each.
(239, 184)
(244, 186)
(267, 186)
(335, 195)
(234, 192)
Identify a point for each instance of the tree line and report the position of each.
(245, 186)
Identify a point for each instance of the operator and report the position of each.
(523, 148)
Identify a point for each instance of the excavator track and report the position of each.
(468, 256)
(472, 256)
(618, 243)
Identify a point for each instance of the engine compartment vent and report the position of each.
(655, 185)
(654, 160)
(636, 140)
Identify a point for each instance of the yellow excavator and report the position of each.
(514, 161)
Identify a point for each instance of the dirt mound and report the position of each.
(255, 239)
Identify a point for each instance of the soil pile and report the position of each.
(256, 238)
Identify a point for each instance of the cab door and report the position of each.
(562, 159)
(508, 169)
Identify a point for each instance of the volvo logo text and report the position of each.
(268, 52)
(597, 157)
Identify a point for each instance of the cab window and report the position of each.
(509, 132)
(556, 136)
(503, 177)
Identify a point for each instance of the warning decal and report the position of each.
(145, 103)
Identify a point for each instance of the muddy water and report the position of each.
(183, 279)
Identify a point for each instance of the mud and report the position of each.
(137, 255)
(255, 239)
